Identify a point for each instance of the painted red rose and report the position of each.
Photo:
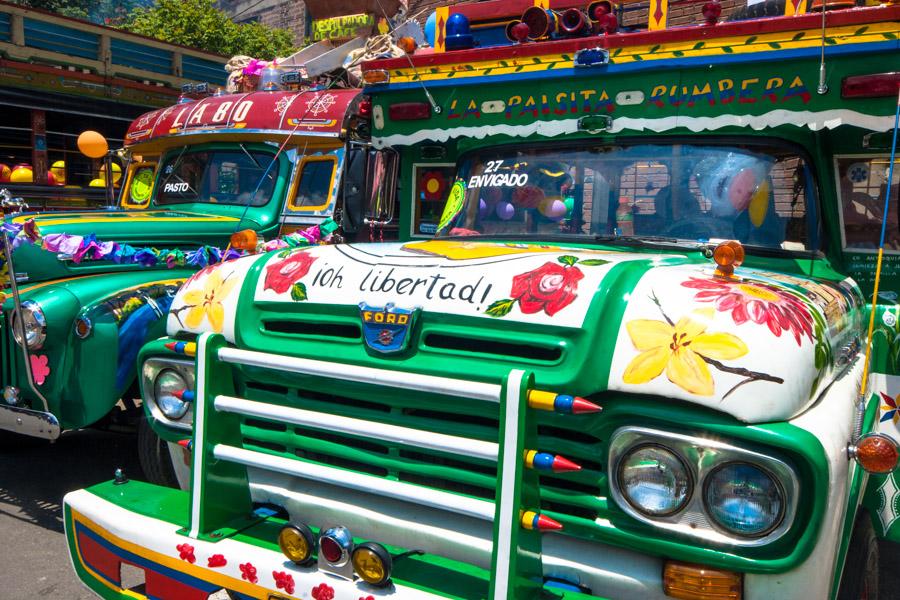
(281, 275)
(550, 288)
(186, 552)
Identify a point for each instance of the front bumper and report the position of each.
(106, 528)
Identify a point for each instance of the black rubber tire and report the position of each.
(769, 8)
(154, 456)
(860, 579)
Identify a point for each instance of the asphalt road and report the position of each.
(35, 475)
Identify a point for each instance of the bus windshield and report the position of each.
(756, 194)
(228, 176)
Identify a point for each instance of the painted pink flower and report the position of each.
(281, 275)
(283, 581)
(323, 591)
(762, 303)
(186, 552)
(39, 368)
(216, 560)
(248, 572)
(550, 288)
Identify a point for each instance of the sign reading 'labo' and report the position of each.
(340, 28)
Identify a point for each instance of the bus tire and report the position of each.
(860, 576)
(153, 453)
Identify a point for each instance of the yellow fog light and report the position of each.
(372, 563)
(696, 582)
(297, 542)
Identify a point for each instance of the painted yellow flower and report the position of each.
(208, 302)
(679, 351)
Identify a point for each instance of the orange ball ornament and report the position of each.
(92, 144)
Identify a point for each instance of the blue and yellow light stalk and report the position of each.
(544, 461)
(532, 520)
(185, 348)
(561, 403)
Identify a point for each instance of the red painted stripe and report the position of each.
(100, 559)
(160, 586)
(856, 16)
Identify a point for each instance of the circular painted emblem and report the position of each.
(141, 186)
(858, 172)
(889, 319)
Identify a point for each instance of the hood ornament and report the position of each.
(386, 329)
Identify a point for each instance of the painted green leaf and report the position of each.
(750, 39)
(501, 308)
(889, 36)
(451, 74)
(593, 262)
(798, 36)
(821, 356)
(470, 68)
(727, 49)
(617, 52)
(637, 57)
(830, 41)
(677, 53)
(519, 68)
(775, 45)
(536, 60)
(503, 63)
(284, 253)
(298, 292)
(488, 71)
(861, 30)
(568, 260)
(433, 69)
(699, 45)
(653, 49)
(565, 57)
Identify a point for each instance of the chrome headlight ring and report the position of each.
(35, 324)
(151, 371)
(704, 458)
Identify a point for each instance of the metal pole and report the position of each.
(7, 248)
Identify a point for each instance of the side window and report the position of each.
(139, 185)
(862, 184)
(315, 183)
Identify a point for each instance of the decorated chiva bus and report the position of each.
(641, 359)
(84, 291)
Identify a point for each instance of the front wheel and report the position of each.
(153, 452)
(860, 579)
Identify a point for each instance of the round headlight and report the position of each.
(744, 499)
(168, 389)
(654, 480)
(35, 325)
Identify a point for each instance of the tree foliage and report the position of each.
(199, 24)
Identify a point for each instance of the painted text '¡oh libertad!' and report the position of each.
(721, 91)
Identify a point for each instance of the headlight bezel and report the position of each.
(644, 511)
(32, 310)
(702, 457)
(150, 370)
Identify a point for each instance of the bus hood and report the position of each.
(759, 346)
(157, 229)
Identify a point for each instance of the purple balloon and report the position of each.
(482, 208)
(505, 210)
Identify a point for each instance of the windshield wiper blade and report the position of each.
(643, 239)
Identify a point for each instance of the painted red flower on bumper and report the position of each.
(323, 591)
(281, 275)
(283, 581)
(550, 287)
(758, 302)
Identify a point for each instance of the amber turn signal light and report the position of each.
(244, 240)
(727, 256)
(297, 541)
(372, 563)
(876, 453)
(376, 76)
(696, 582)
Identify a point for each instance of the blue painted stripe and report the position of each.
(5, 29)
(140, 56)
(130, 557)
(199, 69)
(66, 40)
(649, 65)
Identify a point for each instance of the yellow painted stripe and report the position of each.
(176, 564)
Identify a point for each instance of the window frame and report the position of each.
(291, 204)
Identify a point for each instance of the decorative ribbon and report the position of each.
(80, 248)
